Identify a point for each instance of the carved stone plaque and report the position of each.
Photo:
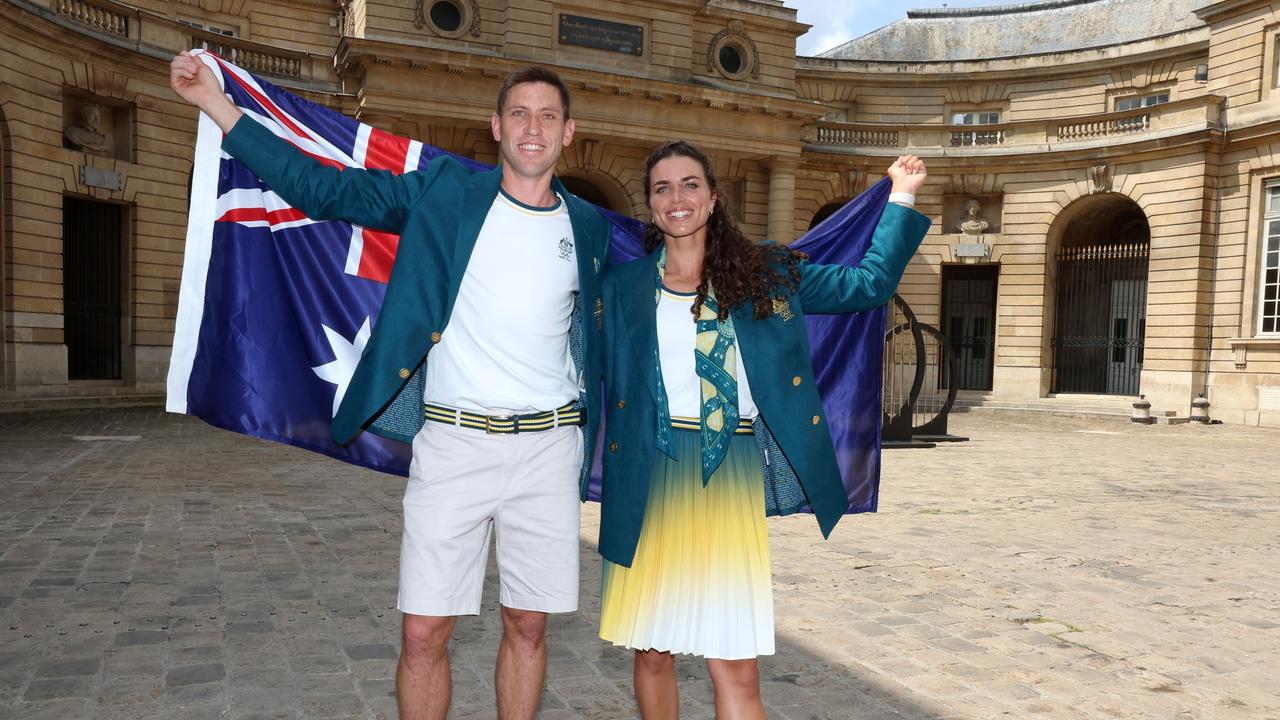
(601, 34)
(95, 177)
(973, 250)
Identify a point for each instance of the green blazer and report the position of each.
(775, 353)
(438, 213)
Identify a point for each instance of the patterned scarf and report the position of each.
(716, 364)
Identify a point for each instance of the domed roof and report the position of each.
(1017, 29)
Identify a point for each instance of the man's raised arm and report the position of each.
(375, 199)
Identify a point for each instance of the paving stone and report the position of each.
(57, 688)
(372, 652)
(194, 674)
(65, 668)
(132, 692)
(72, 709)
(141, 637)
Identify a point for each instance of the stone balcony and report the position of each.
(1081, 132)
(152, 34)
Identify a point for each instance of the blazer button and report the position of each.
(613, 447)
(435, 337)
(816, 419)
(796, 381)
(404, 373)
(621, 404)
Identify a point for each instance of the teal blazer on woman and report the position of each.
(775, 353)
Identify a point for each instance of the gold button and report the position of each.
(816, 419)
(621, 404)
(404, 373)
(435, 337)
(613, 447)
(796, 381)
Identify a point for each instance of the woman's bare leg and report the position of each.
(737, 684)
(656, 691)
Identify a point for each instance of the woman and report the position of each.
(711, 403)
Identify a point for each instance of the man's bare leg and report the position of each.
(423, 679)
(522, 663)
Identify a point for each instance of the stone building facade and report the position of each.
(1101, 172)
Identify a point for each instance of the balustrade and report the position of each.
(94, 15)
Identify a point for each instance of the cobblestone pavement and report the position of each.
(154, 567)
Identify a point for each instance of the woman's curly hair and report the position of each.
(738, 269)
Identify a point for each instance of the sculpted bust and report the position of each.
(88, 135)
(973, 223)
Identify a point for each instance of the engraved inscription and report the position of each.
(601, 34)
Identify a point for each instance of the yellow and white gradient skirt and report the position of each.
(700, 582)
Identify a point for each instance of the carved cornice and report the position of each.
(1215, 11)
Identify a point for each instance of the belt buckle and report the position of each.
(490, 430)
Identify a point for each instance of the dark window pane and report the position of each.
(730, 59)
(446, 15)
(1119, 333)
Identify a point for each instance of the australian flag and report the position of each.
(275, 308)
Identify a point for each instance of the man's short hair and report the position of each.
(533, 74)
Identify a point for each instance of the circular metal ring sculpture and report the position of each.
(902, 377)
(917, 382)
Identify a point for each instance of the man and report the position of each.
(497, 277)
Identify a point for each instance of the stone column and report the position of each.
(782, 199)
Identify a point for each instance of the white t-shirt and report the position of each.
(677, 335)
(506, 347)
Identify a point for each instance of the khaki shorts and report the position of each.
(465, 485)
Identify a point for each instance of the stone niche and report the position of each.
(97, 126)
(973, 222)
(955, 210)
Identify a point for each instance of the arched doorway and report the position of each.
(1100, 266)
(600, 191)
(825, 212)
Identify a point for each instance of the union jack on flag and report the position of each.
(275, 308)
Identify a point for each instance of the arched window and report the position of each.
(599, 190)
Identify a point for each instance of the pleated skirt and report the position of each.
(700, 581)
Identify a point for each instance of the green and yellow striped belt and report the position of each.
(684, 423)
(505, 424)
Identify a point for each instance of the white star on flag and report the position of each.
(346, 355)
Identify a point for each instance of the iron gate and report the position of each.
(92, 274)
(1101, 319)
